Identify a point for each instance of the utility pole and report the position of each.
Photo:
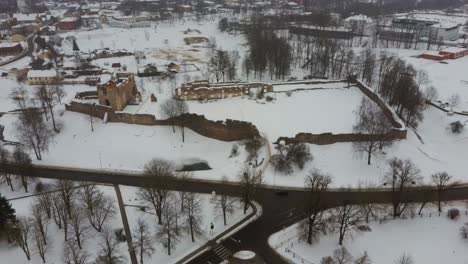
(128, 234)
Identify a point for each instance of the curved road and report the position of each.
(278, 211)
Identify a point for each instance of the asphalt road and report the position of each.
(278, 211)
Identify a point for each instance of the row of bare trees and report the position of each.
(33, 131)
(15, 168)
(74, 209)
(403, 177)
(176, 211)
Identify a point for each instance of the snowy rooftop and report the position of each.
(433, 53)
(359, 17)
(454, 50)
(7, 44)
(38, 73)
(445, 24)
(69, 19)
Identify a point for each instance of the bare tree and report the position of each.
(431, 94)
(454, 101)
(169, 107)
(40, 242)
(73, 255)
(167, 233)
(5, 166)
(442, 182)
(371, 121)
(250, 181)
(78, 226)
(193, 210)
(45, 201)
(48, 98)
(60, 214)
(401, 175)
(404, 259)
(363, 259)
(40, 222)
(22, 233)
(109, 253)
(33, 131)
(22, 166)
(184, 176)
(341, 255)
(347, 217)
(105, 209)
(20, 96)
(159, 173)
(90, 196)
(224, 202)
(182, 108)
(316, 183)
(99, 207)
(143, 240)
(67, 191)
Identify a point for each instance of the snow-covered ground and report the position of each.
(438, 150)
(92, 244)
(129, 147)
(185, 246)
(449, 79)
(430, 239)
(315, 111)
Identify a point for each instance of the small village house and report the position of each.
(42, 77)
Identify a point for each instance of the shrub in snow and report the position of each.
(464, 231)
(457, 127)
(289, 93)
(299, 154)
(342, 256)
(327, 260)
(252, 146)
(269, 98)
(287, 155)
(281, 163)
(404, 259)
(39, 187)
(119, 235)
(453, 213)
(260, 94)
(234, 151)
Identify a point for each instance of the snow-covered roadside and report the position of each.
(185, 246)
(210, 214)
(91, 244)
(430, 239)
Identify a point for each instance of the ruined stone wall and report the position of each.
(329, 138)
(230, 130)
(398, 132)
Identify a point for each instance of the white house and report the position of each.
(360, 24)
(446, 31)
(42, 77)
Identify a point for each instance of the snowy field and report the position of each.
(428, 240)
(315, 111)
(128, 147)
(448, 79)
(8, 84)
(158, 39)
(92, 244)
(438, 150)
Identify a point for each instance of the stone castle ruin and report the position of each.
(204, 90)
